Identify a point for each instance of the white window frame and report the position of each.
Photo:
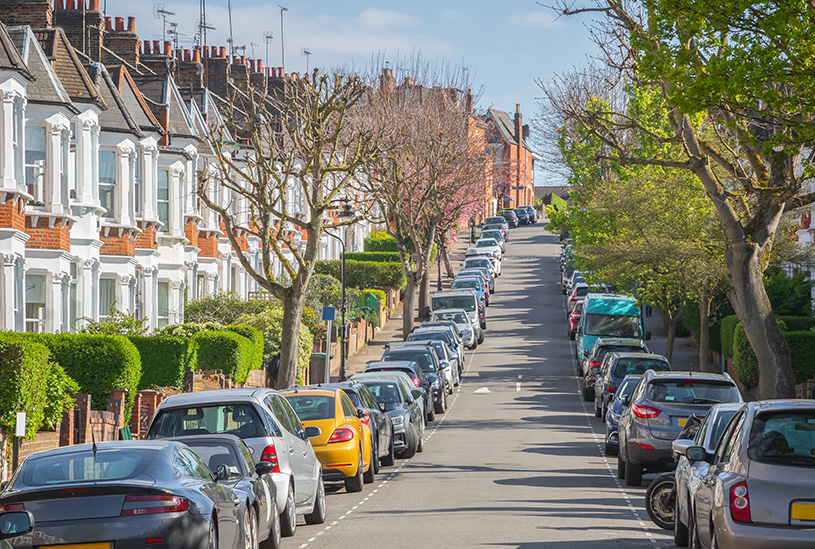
(159, 201)
(111, 212)
(38, 190)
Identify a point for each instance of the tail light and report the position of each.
(12, 507)
(594, 363)
(645, 412)
(611, 387)
(365, 419)
(591, 378)
(645, 446)
(416, 381)
(270, 454)
(740, 502)
(341, 434)
(150, 505)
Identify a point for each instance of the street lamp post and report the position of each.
(347, 211)
(438, 261)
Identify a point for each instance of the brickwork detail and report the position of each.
(37, 13)
(208, 244)
(124, 244)
(146, 240)
(47, 237)
(12, 213)
(191, 232)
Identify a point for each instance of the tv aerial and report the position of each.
(306, 53)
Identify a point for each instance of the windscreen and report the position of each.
(784, 438)
(421, 357)
(626, 366)
(312, 407)
(478, 263)
(474, 284)
(612, 325)
(486, 243)
(240, 420)
(430, 335)
(118, 464)
(692, 391)
(495, 219)
(495, 235)
(458, 318)
(384, 392)
(466, 302)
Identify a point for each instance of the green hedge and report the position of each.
(32, 383)
(256, 337)
(788, 324)
(379, 257)
(744, 359)
(380, 242)
(225, 350)
(802, 349)
(797, 323)
(728, 327)
(164, 360)
(364, 274)
(98, 363)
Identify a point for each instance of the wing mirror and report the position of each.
(382, 406)
(313, 431)
(221, 473)
(624, 399)
(15, 523)
(695, 453)
(264, 467)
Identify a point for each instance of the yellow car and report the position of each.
(344, 443)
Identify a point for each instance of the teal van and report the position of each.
(608, 315)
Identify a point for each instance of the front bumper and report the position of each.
(739, 535)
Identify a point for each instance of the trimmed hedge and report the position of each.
(270, 323)
(256, 337)
(744, 359)
(728, 327)
(364, 274)
(32, 383)
(98, 363)
(379, 257)
(225, 350)
(798, 323)
(380, 242)
(788, 324)
(164, 360)
(802, 349)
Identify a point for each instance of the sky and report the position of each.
(507, 45)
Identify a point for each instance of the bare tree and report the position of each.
(298, 149)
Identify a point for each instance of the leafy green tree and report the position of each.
(117, 323)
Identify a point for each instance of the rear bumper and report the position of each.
(737, 535)
(339, 460)
(660, 458)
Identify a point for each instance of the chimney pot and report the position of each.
(222, 52)
(120, 24)
(196, 54)
(108, 24)
(94, 5)
(156, 47)
(131, 24)
(273, 71)
(59, 4)
(517, 108)
(243, 59)
(146, 47)
(168, 48)
(187, 55)
(252, 65)
(213, 51)
(279, 71)
(259, 65)
(69, 5)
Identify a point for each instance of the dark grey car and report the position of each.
(404, 411)
(657, 411)
(615, 367)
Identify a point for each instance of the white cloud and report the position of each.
(536, 19)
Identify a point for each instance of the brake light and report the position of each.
(365, 419)
(611, 389)
(645, 446)
(416, 381)
(12, 507)
(270, 454)
(341, 434)
(594, 363)
(740, 502)
(150, 505)
(591, 378)
(645, 412)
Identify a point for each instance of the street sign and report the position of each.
(518, 188)
(329, 313)
(19, 425)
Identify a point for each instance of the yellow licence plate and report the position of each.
(681, 421)
(103, 545)
(803, 511)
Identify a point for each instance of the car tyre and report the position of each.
(250, 529)
(389, 459)
(317, 516)
(660, 501)
(572, 335)
(274, 539)
(587, 394)
(369, 476)
(598, 413)
(441, 405)
(610, 449)
(354, 484)
(288, 518)
(431, 414)
(480, 339)
(633, 474)
(410, 451)
(620, 466)
(680, 531)
(420, 444)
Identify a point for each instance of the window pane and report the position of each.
(107, 181)
(35, 303)
(163, 201)
(107, 295)
(163, 303)
(163, 185)
(35, 161)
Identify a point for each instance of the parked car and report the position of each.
(459, 316)
(497, 235)
(503, 227)
(689, 474)
(523, 216)
(448, 332)
(463, 298)
(404, 363)
(615, 410)
(604, 345)
(579, 291)
(230, 460)
(344, 444)
(425, 356)
(449, 362)
(510, 217)
(607, 315)
(533, 213)
(587, 381)
(613, 369)
(124, 494)
(486, 261)
(416, 392)
(657, 411)
(496, 220)
(402, 408)
(758, 491)
(489, 246)
(483, 290)
(574, 319)
(381, 426)
(269, 427)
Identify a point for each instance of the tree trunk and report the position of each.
(446, 258)
(424, 294)
(409, 304)
(671, 318)
(752, 306)
(290, 340)
(704, 336)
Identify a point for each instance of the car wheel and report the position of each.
(212, 537)
(369, 475)
(633, 474)
(274, 539)
(431, 414)
(598, 413)
(587, 394)
(441, 405)
(620, 465)
(375, 455)
(250, 529)
(288, 518)
(389, 459)
(354, 484)
(420, 443)
(317, 516)
(410, 451)
(610, 449)
(680, 531)
(660, 501)
(480, 339)
(572, 335)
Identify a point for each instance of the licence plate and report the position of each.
(803, 511)
(103, 545)
(681, 421)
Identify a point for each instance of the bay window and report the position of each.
(107, 181)
(35, 162)
(163, 199)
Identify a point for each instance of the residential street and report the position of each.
(517, 460)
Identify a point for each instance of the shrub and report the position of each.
(744, 359)
(802, 349)
(323, 291)
(32, 383)
(728, 326)
(224, 350)
(797, 323)
(256, 337)
(270, 323)
(117, 323)
(164, 360)
(380, 295)
(190, 329)
(789, 295)
(380, 241)
(98, 363)
(379, 257)
(364, 274)
(224, 308)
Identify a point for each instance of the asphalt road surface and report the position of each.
(517, 460)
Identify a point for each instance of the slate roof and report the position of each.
(68, 66)
(10, 58)
(117, 118)
(45, 86)
(505, 125)
(166, 103)
(133, 99)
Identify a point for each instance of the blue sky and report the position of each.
(507, 45)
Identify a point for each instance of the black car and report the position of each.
(380, 424)
(511, 218)
(430, 363)
(230, 460)
(523, 216)
(414, 372)
(404, 411)
(533, 213)
(129, 494)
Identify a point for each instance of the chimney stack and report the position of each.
(37, 13)
(82, 29)
(218, 72)
(518, 124)
(123, 42)
(240, 73)
(387, 82)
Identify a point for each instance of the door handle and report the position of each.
(291, 450)
(236, 501)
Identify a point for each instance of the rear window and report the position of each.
(240, 420)
(486, 243)
(311, 407)
(692, 391)
(118, 464)
(466, 302)
(215, 454)
(581, 291)
(478, 263)
(612, 325)
(784, 438)
(458, 318)
(422, 358)
(492, 234)
(626, 366)
(384, 392)
(475, 284)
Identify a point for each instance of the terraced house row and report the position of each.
(102, 146)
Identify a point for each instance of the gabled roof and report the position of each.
(134, 100)
(45, 86)
(68, 66)
(117, 118)
(504, 124)
(166, 103)
(10, 58)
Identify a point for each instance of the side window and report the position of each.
(638, 390)
(268, 416)
(347, 407)
(699, 440)
(246, 455)
(280, 413)
(728, 440)
(197, 467)
(403, 393)
(368, 398)
(182, 464)
(292, 415)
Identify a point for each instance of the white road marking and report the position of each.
(518, 387)
(482, 391)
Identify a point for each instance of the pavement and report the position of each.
(517, 460)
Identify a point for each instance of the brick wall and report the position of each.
(43, 236)
(122, 41)
(240, 73)
(124, 244)
(208, 245)
(43, 440)
(191, 232)
(75, 26)
(147, 238)
(37, 13)
(12, 211)
(217, 78)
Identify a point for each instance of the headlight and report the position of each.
(615, 417)
(435, 384)
(398, 420)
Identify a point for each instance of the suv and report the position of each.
(604, 345)
(466, 299)
(423, 354)
(269, 427)
(523, 216)
(613, 369)
(657, 411)
(533, 213)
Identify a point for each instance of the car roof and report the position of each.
(311, 390)
(448, 311)
(391, 374)
(378, 363)
(456, 292)
(218, 396)
(215, 437)
(680, 374)
(653, 356)
(781, 404)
